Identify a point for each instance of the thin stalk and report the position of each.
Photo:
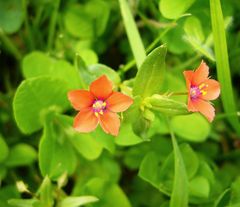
(27, 26)
(52, 26)
(11, 47)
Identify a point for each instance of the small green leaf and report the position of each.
(191, 127)
(99, 16)
(11, 15)
(34, 98)
(199, 187)
(39, 64)
(151, 74)
(223, 199)
(3, 149)
(56, 155)
(78, 22)
(235, 192)
(23, 202)
(20, 155)
(46, 192)
(77, 201)
(173, 9)
(179, 196)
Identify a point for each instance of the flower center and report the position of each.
(196, 91)
(99, 107)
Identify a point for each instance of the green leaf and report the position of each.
(11, 15)
(99, 16)
(3, 149)
(173, 9)
(132, 33)
(39, 64)
(108, 193)
(88, 55)
(20, 155)
(223, 199)
(46, 192)
(126, 136)
(78, 22)
(34, 98)
(56, 155)
(179, 196)
(23, 202)
(199, 187)
(151, 74)
(77, 201)
(223, 69)
(191, 127)
(235, 192)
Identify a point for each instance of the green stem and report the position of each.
(11, 47)
(27, 26)
(53, 23)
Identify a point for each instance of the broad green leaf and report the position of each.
(126, 136)
(173, 9)
(78, 22)
(3, 172)
(97, 70)
(39, 64)
(132, 33)
(34, 98)
(199, 187)
(11, 15)
(151, 74)
(99, 16)
(23, 202)
(20, 155)
(56, 155)
(191, 127)
(89, 56)
(223, 69)
(77, 201)
(179, 196)
(3, 149)
(109, 194)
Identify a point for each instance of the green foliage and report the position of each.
(153, 67)
(34, 98)
(164, 155)
(173, 9)
(11, 16)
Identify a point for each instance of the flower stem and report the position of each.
(52, 26)
(179, 94)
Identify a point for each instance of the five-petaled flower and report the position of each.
(98, 105)
(201, 90)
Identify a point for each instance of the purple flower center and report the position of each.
(196, 91)
(99, 106)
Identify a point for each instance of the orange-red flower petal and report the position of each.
(85, 121)
(188, 74)
(118, 102)
(110, 123)
(101, 88)
(201, 74)
(212, 90)
(80, 99)
(205, 108)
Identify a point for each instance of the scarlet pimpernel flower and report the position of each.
(201, 89)
(98, 105)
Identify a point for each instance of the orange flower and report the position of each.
(99, 105)
(201, 90)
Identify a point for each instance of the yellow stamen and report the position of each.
(203, 92)
(96, 114)
(202, 86)
(101, 112)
